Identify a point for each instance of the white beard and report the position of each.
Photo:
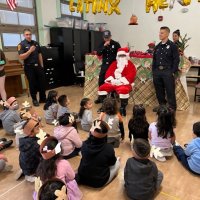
(121, 63)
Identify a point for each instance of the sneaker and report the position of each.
(161, 159)
(19, 174)
(6, 144)
(36, 103)
(8, 168)
(30, 179)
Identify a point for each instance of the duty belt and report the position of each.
(163, 67)
(32, 64)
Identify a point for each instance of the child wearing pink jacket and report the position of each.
(53, 166)
(68, 136)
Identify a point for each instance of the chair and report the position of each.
(79, 72)
(197, 87)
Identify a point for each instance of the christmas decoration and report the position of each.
(107, 6)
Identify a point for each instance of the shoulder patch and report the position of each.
(19, 46)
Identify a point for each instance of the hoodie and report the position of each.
(9, 118)
(29, 157)
(140, 179)
(69, 139)
(97, 157)
(193, 153)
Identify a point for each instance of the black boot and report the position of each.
(100, 99)
(124, 103)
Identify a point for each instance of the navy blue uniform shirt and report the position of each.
(109, 52)
(24, 46)
(166, 55)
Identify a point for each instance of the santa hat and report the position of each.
(123, 51)
(30, 125)
(11, 100)
(151, 45)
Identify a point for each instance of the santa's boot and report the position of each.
(124, 103)
(100, 99)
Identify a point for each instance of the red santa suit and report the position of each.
(119, 77)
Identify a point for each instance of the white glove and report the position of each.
(116, 82)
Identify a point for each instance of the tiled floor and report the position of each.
(178, 184)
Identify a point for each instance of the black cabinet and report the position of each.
(73, 44)
(96, 38)
(51, 66)
(63, 38)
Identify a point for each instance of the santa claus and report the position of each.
(119, 78)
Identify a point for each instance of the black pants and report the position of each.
(36, 79)
(164, 83)
(102, 74)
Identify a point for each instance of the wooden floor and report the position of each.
(178, 184)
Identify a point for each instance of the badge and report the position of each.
(168, 47)
(113, 46)
(19, 47)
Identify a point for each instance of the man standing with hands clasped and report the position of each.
(108, 50)
(165, 66)
(30, 52)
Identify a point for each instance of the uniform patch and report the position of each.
(19, 47)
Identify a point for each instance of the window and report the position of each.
(12, 23)
(66, 12)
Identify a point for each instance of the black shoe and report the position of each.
(6, 144)
(98, 101)
(123, 112)
(36, 103)
(3, 139)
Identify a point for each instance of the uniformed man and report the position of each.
(108, 50)
(165, 66)
(30, 52)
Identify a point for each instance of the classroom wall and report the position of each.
(148, 28)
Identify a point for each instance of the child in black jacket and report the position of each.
(98, 165)
(141, 176)
(29, 157)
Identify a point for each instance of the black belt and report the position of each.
(161, 67)
(36, 64)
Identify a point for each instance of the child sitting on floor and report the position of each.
(85, 114)
(98, 165)
(138, 125)
(161, 134)
(141, 176)
(52, 189)
(29, 157)
(53, 166)
(9, 116)
(3, 164)
(51, 107)
(63, 105)
(114, 120)
(68, 136)
(190, 157)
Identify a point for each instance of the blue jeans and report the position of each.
(182, 157)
